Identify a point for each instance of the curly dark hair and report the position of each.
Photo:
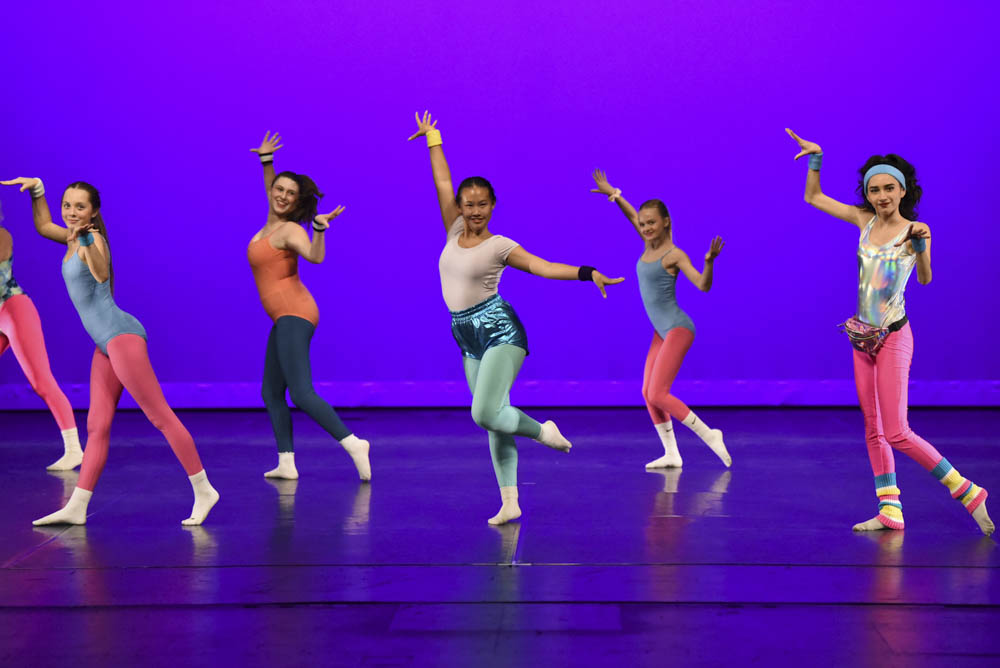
(908, 205)
(307, 201)
(474, 182)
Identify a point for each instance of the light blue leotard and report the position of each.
(656, 285)
(101, 317)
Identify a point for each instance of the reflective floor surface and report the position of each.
(610, 564)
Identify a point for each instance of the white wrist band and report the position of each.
(615, 194)
(37, 190)
(266, 158)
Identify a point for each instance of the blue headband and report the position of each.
(885, 169)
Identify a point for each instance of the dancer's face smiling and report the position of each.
(284, 193)
(651, 224)
(76, 207)
(477, 207)
(884, 193)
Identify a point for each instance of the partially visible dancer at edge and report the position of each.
(21, 331)
(891, 243)
(274, 258)
(488, 332)
(120, 359)
(673, 331)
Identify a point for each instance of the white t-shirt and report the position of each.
(471, 275)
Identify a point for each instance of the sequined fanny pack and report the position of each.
(866, 338)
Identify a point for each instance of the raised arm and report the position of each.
(525, 261)
(615, 195)
(703, 280)
(40, 209)
(439, 166)
(814, 194)
(266, 152)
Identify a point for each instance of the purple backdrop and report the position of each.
(685, 101)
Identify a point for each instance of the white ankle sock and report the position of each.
(550, 436)
(711, 437)
(74, 512)
(205, 497)
(286, 467)
(358, 449)
(72, 452)
(509, 508)
(671, 455)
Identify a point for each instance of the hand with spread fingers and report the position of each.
(424, 125)
(806, 146)
(269, 144)
(322, 222)
(713, 252)
(600, 280)
(603, 186)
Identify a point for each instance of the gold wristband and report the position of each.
(433, 138)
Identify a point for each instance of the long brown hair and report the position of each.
(98, 221)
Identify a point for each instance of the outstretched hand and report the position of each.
(77, 230)
(324, 219)
(25, 182)
(600, 280)
(806, 146)
(424, 125)
(603, 187)
(269, 144)
(911, 233)
(713, 251)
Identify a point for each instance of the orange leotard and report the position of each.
(276, 273)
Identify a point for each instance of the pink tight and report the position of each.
(662, 364)
(21, 330)
(882, 387)
(127, 365)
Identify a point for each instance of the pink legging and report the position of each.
(663, 361)
(21, 330)
(127, 365)
(882, 387)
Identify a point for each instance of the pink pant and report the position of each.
(127, 365)
(22, 332)
(663, 361)
(882, 387)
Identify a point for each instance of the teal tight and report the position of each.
(490, 380)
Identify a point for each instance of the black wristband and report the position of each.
(585, 273)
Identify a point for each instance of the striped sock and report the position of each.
(969, 493)
(890, 510)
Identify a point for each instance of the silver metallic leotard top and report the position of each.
(8, 286)
(883, 272)
(656, 285)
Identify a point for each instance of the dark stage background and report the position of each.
(686, 101)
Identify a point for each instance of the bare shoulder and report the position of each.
(674, 256)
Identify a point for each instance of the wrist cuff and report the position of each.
(585, 273)
(85, 239)
(919, 245)
(434, 138)
(266, 158)
(37, 190)
(615, 195)
(815, 161)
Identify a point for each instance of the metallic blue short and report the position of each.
(489, 323)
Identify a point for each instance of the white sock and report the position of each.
(509, 508)
(550, 436)
(671, 455)
(712, 437)
(286, 467)
(205, 497)
(74, 512)
(72, 452)
(358, 449)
